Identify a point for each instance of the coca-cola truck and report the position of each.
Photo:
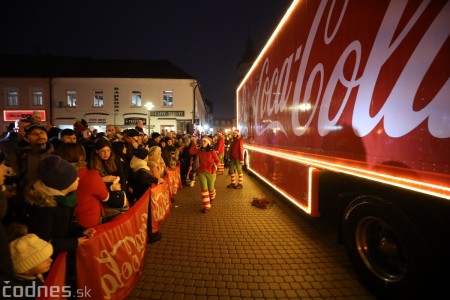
(346, 110)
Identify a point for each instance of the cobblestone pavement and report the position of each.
(238, 251)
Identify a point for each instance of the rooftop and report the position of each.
(62, 66)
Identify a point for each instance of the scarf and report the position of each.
(69, 200)
(137, 163)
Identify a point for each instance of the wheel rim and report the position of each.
(380, 249)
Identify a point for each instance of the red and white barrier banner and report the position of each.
(160, 203)
(174, 180)
(110, 263)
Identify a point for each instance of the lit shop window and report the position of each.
(167, 98)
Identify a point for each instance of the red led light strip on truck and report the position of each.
(308, 209)
(421, 187)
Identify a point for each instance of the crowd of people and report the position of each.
(58, 184)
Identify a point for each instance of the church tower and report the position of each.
(246, 61)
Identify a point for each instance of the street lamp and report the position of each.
(196, 85)
(149, 107)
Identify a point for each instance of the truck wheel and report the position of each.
(383, 246)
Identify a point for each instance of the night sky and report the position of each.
(205, 38)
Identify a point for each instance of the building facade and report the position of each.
(101, 92)
(124, 101)
(20, 97)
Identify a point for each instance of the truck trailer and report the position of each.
(346, 112)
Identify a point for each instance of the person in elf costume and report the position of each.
(236, 161)
(220, 148)
(208, 162)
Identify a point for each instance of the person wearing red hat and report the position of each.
(220, 148)
(236, 161)
(208, 162)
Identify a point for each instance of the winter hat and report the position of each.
(141, 153)
(131, 132)
(32, 127)
(57, 173)
(29, 251)
(155, 135)
(65, 132)
(208, 139)
(102, 143)
(84, 123)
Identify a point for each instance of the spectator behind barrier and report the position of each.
(53, 198)
(142, 181)
(6, 270)
(105, 161)
(91, 191)
(31, 258)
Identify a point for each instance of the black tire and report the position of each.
(384, 246)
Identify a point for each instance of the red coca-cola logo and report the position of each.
(324, 71)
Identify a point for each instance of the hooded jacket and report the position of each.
(50, 220)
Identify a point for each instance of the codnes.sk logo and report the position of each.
(34, 290)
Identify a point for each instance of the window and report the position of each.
(167, 98)
(13, 98)
(136, 98)
(98, 98)
(71, 96)
(38, 98)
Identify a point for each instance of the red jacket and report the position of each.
(237, 149)
(208, 160)
(91, 193)
(220, 145)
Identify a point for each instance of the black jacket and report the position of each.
(142, 181)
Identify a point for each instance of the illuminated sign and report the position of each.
(13, 115)
(134, 121)
(96, 120)
(163, 113)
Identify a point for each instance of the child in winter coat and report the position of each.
(31, 257)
